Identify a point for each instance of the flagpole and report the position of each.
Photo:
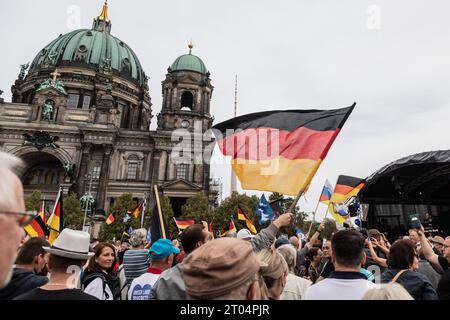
(328, 209)
(176, 224)
(144, 206)
(161, 221)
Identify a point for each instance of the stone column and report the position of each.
(162, 165)
(102, 185)
(174, 99)
(119, 164)
(85, 156)
(198, 173)
(191, 172)
(145, 165)
(170, 169)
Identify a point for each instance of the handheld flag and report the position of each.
(346, 187)
(327, 192)
(339, 212)
(183, 223)
(264, 210)
(37, 228)
(279, 151)
(138, 210)
(232, 227)
(42, 211)
(157, 225)
(130, 230)
(210, 229)
(248, 222)
(127, 217)
(55, 222)
(300, 234)
(125, 233)
(110, 219)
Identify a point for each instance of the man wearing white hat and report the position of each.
(67, 255)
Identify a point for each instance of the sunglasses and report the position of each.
(23, 218)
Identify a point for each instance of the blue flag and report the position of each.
(264, 210)
(300, 234)
(126, 218)
(130, 230)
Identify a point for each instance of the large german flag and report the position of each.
(37, 228)
(279, 151)
(346, 187)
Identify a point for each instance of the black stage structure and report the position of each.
(412, 185)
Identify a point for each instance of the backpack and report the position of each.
(87, 279)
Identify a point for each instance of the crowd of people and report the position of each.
(352, 265)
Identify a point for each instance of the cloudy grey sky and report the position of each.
(391, 57)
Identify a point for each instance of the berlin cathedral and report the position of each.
(80, 118)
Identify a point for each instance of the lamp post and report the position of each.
(87, 199)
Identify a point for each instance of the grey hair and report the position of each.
(8, 165)
(289, 254)
(138, 237)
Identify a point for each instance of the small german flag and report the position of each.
(232, 227)
(279, 151)
(42, 211)
(248, 222)
(138, 211)
(210, 229)
(37, 228)
(183, 223)
(110, 219)
(346, 187)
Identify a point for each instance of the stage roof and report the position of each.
(422, 178)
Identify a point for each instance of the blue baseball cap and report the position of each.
(163, 248)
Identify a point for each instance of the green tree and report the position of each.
(197, 208)
(33, 201)
(167, 211)
(121, 206)
(299, 217)
(72, 214)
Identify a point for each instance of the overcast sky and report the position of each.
(391, 57)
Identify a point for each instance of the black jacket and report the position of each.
(22, 281)
(418, 285)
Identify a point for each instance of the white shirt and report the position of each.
(95, 288)
(141, 287)
(340, 286)
(295, 287)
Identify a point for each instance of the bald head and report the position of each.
(294, 241)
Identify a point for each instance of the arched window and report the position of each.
(187, 100)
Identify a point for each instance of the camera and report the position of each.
(364, 232)
(414, 221)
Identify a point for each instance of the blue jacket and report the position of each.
(22, 281)
(418, 285)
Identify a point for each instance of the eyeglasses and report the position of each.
(23, 218)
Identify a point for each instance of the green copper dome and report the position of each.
(189, 62)
(95, 48)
